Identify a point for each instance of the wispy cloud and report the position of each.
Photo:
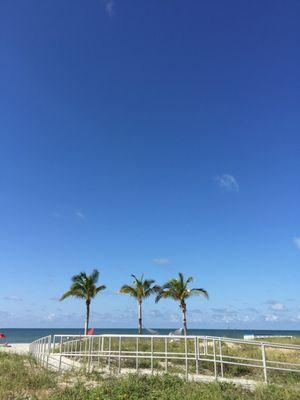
(55, 214)
(109, 6)
(276, 305)
(80, 215)
(228, 182)
(297, 242)
(271, 318)
(161, 261)
(13, 298)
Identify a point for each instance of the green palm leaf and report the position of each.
(85, 287)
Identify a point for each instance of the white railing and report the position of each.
(41, 349)
(188, 355)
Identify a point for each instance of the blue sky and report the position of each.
(150, 137)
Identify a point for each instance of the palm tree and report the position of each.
(140, 289)
(84, 287)
(177, 289)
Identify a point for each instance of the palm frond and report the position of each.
(84, 286)
(127, 289)
(94, 276)
(100, 288)
(72, 293)
(201, 291)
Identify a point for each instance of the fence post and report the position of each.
(90, 351)
(196, 355)
(166, 354)
(60, 345)
(59, 365)
(215, 360)
(186, 358)
(99, 344)
(152, 355)
(263, 353)
(109, 350)
(221, 358)
(137, 353)
(120, 349)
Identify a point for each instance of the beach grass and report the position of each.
(22, 378)
(231, 349)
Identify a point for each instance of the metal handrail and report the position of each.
(83, 347)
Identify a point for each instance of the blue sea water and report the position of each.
(27, 335)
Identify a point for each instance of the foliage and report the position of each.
(178, 290)
(21, 375)
(22, 379)
(84, 287)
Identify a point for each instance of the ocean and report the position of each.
(27, 335)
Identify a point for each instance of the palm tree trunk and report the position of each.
(183, 308)
(140, 316)
(87, 316)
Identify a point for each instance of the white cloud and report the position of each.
(161, 261)
(13, 298)
(228, 182)
(297, 242)
(271, 318)
(80, 215)
(109, 6)
(276, 305)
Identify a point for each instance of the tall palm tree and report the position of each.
(84, 287)
(178, 290)
(140, 289)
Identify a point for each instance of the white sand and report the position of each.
(19, 348)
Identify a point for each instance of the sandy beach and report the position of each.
(19, 348)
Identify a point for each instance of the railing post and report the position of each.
(152, 346)
(137, 353)
(99, 344)
(109, 351)
(166, 354)
(60, 344)
(120, 350)
(186, 358)
(221, 358)
(263, 353)
(205, 346)
(196, 355)
(90, 351)
(215, 359)
(59, 365)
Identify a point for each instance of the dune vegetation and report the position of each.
(22, 378)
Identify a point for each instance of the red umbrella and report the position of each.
(2, 335)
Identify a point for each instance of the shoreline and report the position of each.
(18, 348)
